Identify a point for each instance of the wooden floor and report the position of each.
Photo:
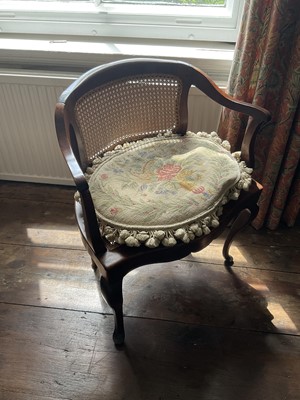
(193, 330)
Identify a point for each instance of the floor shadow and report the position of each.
(196, 294)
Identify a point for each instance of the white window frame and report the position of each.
(111, 20)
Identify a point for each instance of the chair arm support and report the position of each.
(63, 133)
(248, 143)
(91, 231)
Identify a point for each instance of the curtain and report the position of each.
(266, 72)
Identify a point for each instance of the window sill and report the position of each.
(76, 56)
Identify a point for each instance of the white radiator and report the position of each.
(28, 146)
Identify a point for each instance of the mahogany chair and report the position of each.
(135, 108)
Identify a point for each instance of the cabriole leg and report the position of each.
(242, 220)
(112, 293)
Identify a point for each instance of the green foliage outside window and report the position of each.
(206, 2)
(169, 2)
(178, 2)
(194, 2)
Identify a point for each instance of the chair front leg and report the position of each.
(112, 292)
(240, 222)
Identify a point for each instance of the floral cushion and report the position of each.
(165, 189)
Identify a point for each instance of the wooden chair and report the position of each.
(125, 102)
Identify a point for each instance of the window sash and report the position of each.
(110, 19)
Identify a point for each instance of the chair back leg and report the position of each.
(240, 222)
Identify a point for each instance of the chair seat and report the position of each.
(169, 188)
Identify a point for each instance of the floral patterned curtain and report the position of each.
(266, 72)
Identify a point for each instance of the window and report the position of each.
(209, 20)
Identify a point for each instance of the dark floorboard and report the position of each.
(193, 330)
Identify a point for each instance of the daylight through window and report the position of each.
(200, 20)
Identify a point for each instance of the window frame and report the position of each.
(112, 20)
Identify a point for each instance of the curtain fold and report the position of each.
(266, 72)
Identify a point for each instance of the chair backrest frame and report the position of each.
(68, 126)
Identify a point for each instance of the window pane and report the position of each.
(210, 3)
(197, 20)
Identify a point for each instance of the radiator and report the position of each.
(28, 146)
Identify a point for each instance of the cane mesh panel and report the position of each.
(127, 109)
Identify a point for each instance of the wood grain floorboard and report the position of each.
(36, 192)
(69, 355)
(182, 291)
(272, 257)
(38, 223)
(193, 329)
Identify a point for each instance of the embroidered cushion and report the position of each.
(164, 189)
